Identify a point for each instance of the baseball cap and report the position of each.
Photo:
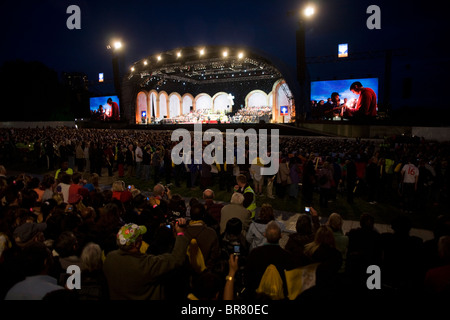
(129, 233)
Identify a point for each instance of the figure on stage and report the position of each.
(114, 109)
(366, 106)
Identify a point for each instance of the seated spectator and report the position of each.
(335, 222)
(255, 235)
(93, 182)
(29, 232)
(48, 184)
(262, 256)
(37, 262)
(213, 210)
(63, 186)
(305, 227)
(364, 249)
(76, 185)
(93, 281)
(323, 250)
(133, 275)
(206, 237)
(437, 280)
(66, 254)
(235, 209)
(402, 264)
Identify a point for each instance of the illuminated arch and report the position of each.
(222, 102)
(152, 103)
(281, 93)
(175, 108)
(256, 98)
(187, 103)
(203, 101)
(141, 105)
(163, 105)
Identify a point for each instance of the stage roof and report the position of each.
(204, 65)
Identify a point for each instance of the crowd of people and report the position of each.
(253, 115)
(130, 244)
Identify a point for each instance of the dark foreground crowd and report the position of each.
(135, 245)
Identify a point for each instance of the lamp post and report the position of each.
(306, 13)
(116, 47)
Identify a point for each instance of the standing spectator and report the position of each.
(350, 179)
(139, 157)
(410, 176)
(257, 178)
(295, 178)
(109, 158)
(249, 195)
(121, 161)
(133, 275)
(79, 156)
(325, 182)
(283, 179)
(373, 180)
(308, 182)
(129, 160)
(146, 158)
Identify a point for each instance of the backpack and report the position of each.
(271, 284)
(195, 256)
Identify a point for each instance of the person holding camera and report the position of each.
(133, 275)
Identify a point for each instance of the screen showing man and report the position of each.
(105, 108)
(366, 105)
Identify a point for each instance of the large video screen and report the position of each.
(322, 90)
(105, 108)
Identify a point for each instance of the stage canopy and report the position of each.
(213, 80)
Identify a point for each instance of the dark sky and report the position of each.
(36, 30)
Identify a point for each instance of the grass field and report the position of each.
(383, 211)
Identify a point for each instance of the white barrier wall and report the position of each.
(39, 124)
(432, 133)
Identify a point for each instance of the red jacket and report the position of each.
(367, 103)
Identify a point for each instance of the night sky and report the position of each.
(36, 30)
